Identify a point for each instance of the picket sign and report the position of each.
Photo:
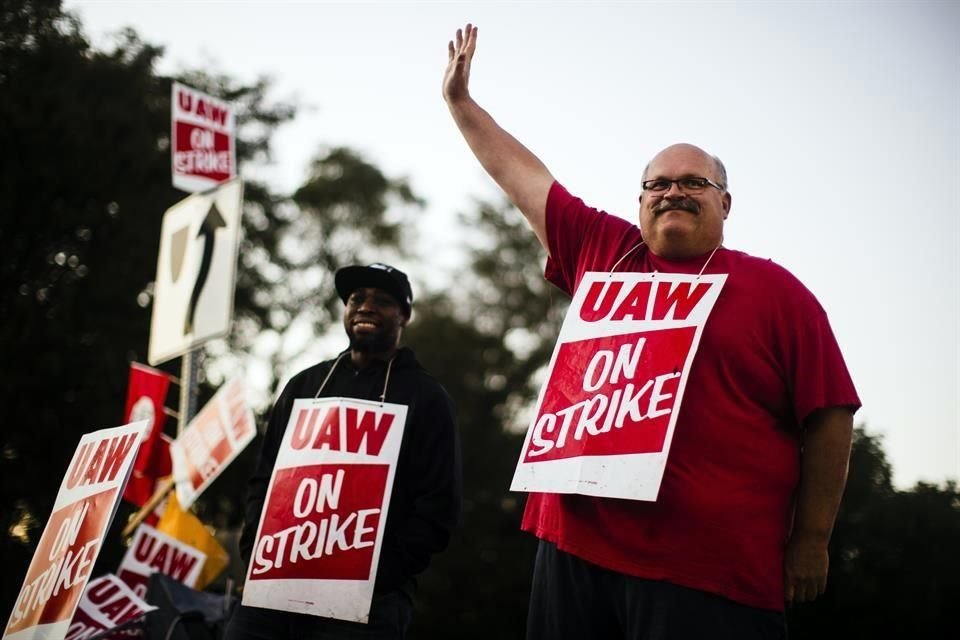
(107, 603)
(74, 533)
(202, 139)
(321, 528)
(211, 441)
(606, 415)
(154, 552)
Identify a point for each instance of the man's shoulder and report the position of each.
(418, 377)
(779, 285)
(759, 267)
(562, 200)
(408, 364)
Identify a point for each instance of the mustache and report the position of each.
(684, 203)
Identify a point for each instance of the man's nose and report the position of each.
(674, 191)
(366, 304)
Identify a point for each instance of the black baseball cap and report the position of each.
(378, 275)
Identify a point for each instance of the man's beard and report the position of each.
(370, 342)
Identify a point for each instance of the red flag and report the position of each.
(146, 394)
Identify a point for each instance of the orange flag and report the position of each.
(187, 528)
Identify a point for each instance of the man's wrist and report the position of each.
(816, 535)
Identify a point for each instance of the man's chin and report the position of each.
(675, 212)
(369, 343)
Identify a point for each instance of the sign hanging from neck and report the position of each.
(606, 415)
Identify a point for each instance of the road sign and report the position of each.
(196, 269)
(202, 140)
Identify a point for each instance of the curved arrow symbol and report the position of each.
(208, 228)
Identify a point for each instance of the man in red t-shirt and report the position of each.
(761, 446)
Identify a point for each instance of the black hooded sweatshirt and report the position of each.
(425, 502)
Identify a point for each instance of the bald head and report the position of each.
(719, 171)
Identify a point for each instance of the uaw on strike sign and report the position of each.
(322, 524)
(107, 603)
(606, 415)
(202, 133)
(68, 548)
(212, 440)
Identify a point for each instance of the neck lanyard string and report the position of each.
(640, 244)
(623, 257)
(329, 373)
(386, 380)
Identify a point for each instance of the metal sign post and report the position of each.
(189, 366)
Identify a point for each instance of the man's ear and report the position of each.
(727, 203)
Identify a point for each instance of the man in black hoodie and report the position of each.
(425, 501)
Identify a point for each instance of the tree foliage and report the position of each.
(81, 180)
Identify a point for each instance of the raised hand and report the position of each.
(456, 79)
(521, 175)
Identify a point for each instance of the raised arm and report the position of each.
(823, 475)
(521, 175)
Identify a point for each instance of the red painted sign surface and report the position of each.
(322, 524)
(605, 417)
(74, 533)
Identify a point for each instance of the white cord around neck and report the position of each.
(330, 373)
(623, 257)
(386, 380)
(704, 267)
(640, 244)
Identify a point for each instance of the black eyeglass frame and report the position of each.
(689, 188)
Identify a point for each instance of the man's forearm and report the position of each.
(515, 169)
(823, 475)
(823, 470)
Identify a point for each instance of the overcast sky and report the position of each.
(839, 124)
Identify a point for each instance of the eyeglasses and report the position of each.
(689, 184)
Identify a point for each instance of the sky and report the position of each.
(839, 125)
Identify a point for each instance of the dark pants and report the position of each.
(575, 600)
(390, 615)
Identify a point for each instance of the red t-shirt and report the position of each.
(767, 359)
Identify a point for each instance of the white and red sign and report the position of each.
(146, 397)
(106, 604)
(211, 441)
(605, 417)
(203, 139)
(155, 552)
(74, 533)
(322, 524)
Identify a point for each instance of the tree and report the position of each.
(484, 341)
(81, 179)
